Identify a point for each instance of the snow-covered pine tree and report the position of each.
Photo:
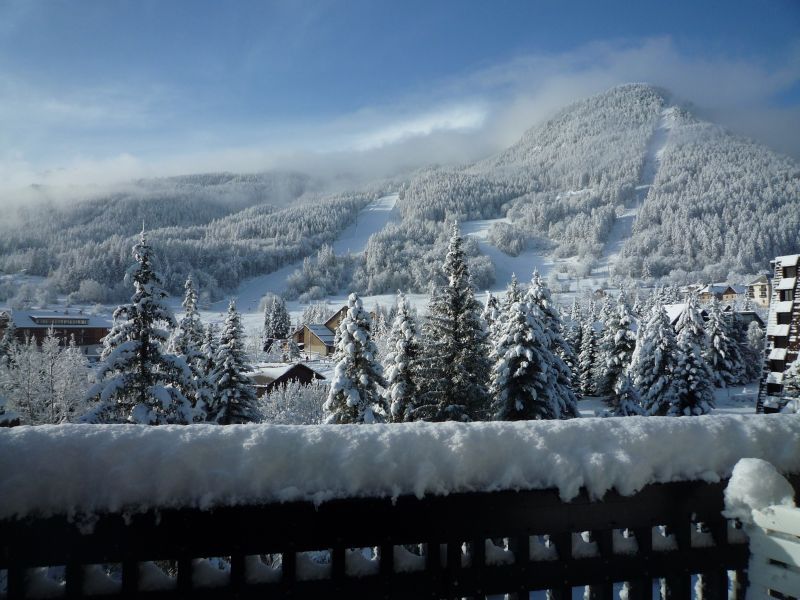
(573, 332)
(587, 359)
(524, 378)
(721, 353)
(277, 323)
(355, 395)
(628, 400)
(137, 381)
(791, 387)
(616, 348)
(206, 367)
(8, 341)
(491, 312)
(8, 418)
(400, 364)
(234, 396)
(564, 359)
(187, 341)
(753, 351)
(454, 346)
(693, 378)
(653, 363)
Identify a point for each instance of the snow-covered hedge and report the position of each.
(96, 468)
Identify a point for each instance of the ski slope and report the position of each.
(353, 239)
(505, 265)
(623, 226)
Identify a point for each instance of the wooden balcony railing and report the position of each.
(462, 530)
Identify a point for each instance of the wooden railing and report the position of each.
(459, 529)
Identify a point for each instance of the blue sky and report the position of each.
(97, 90)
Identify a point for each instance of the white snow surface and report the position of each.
(86, 469)
(755, 485)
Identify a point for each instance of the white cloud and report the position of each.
(455, 120)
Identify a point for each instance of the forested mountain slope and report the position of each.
(717, 203)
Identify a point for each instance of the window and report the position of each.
(790, 271)
(787, 295)
(784, 318)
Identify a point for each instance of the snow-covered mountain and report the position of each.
(628, 178)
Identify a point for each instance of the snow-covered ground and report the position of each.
(505, 265)
(737, 400)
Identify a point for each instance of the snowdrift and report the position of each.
(85, 469)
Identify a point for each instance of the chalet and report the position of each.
(719, 291)
(760, 289)
(318, 338)
(674, 312)
(266, 379)
(783, 332)
(88, 330)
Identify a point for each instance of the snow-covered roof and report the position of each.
(784, 307)
(760, 280)
(325, 335)
(89, 469)
(44, 319)
(269, 373)
(790, 260)
(778, 330)
(674, 311)
(777, 354)
(787, 283)
(775, 377)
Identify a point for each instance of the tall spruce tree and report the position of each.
(455, 350)
(187, 341)
(525, 375)
(234, 396)
(538, 296)
(587, 359)
(616, 348)
(355, 395)
(628, 400)
(277, 323)
(401, 363)
(693, 377)
(653, 363)
(137, 381)
(722, 352)
(753, 351)
(491, 312)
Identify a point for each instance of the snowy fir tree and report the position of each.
(721, 352)
(454, 350)
(538, 296)
(355, 393)
(628, 400)
(8, 418)
(753, 350)
(587, 359)
(525, 374)
(653, 363)
(791, 387)
(616, 348)
(693, 378)
(137, 381)
(234, 396)
(491, 311)
(8, 341)
(187, 341)
(401, 363)
(277, 323)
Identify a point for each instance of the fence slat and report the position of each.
(774, 547)
(779, 518)
(775, 578)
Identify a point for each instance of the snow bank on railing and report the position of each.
(98, 468)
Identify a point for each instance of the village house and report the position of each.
(759, 290)
(87, 330)
(674, 312)
(720, 291)
(267, 378)
(318, 338)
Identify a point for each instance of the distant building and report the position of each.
(674, 312)
(88, 330)
(760, 290)
(720, 291)
(783, 332)
(318, 338)
(266, 379)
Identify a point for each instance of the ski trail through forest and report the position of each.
(623, 225)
